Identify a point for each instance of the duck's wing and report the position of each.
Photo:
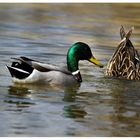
(125, 61)
(20, 69)
(33, 64)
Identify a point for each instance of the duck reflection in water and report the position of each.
(23, 96)
(124, 103)
(18, 96)
(73, 110)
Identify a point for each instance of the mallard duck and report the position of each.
(26, 70)
(125, 62)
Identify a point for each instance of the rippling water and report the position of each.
(101, 106)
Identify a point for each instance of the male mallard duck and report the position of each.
(125, 62)
(25, 70)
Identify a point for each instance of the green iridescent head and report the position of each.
(79, 51)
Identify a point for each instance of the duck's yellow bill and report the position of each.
(96, 62)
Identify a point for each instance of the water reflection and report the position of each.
(19, 91)
(74, 111)
(125, 112)
(100, 106)
(17, 99)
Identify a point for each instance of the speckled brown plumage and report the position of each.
(125, 62)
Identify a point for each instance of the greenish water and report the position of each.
(101, 106)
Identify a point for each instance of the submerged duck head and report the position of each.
(79, 51)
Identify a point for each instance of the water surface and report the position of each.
(101, 106)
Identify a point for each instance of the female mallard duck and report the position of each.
(125, 62)
(25, 70)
